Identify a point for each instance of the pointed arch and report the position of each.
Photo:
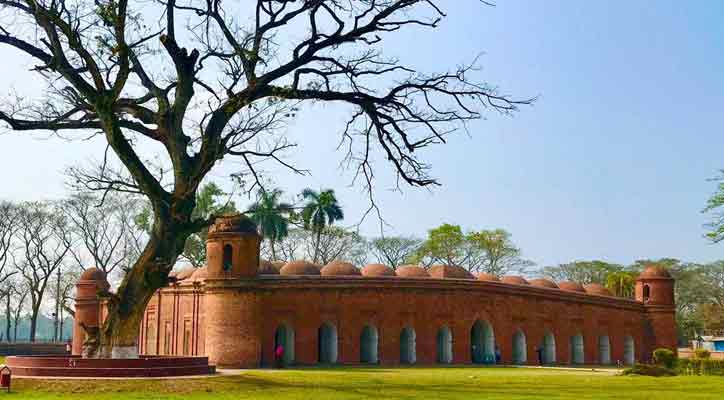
(284, 336)
(520, 350)
(327, 343)
(482, 343)
(444, 345)
(549, 348)
(604, 350)
(577, 349)
(629, 350)
(369, 345)
(408, 346)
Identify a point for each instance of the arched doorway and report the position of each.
(407, 346)
(368, 345)
(604, 350)
(549, 349)
(284, 336)
(327, 344)
(629, 350)
(577, 349)
(520, 351)
(482, 343)
(444, 345)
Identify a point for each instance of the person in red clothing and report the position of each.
(279, 356)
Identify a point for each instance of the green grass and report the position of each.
(383, 383)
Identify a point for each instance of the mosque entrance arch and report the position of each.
(548, 352)
(577, 349)
(444, 345)
(482, 343)
(327, 343)
(520, 351)
(368, 346)
(604, 350)
(629, 350)
(284, 337)
(408, 346)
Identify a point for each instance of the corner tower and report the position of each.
(232, 307)
(655, 289)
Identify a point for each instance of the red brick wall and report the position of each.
(234, 324)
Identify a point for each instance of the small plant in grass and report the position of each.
(649, 370)
(665, 358)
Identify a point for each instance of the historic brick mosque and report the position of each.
(239, 311)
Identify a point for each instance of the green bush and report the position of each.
(702, 353)
(665, 358)
(701, 366)
(649, 370)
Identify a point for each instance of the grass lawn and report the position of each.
(383, 383)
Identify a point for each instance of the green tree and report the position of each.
(490, 251)
(583, 272)
(621, 283)
(320, 210)
(271, 216)
(714, 209)
(394, 250)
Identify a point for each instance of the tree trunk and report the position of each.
(119, 334)
(33, 322)
(7, 317)
(273, 251)
(316, 244)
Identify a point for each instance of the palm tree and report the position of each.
(621, 283)
(270, 216)
(320, 211)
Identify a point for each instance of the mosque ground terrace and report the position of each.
(238, 310)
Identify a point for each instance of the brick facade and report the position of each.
(234, 315)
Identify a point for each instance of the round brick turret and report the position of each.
(232, 248)
(88, 306)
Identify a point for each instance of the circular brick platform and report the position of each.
(76, 367)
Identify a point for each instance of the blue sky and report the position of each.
(610, 163)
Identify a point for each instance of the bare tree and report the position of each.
(19, 305)
(45, 241)
(216, 88)
(394, 251)
(333, 243)
(105, 240)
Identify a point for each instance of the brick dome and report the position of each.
(299, 267)
(514, 280)
(595, 288)
(411, 271)
(200, 274)
(376, 270)
(484, 276)
(278, 264)
(185, 274)
(655, 271)
(92, 275)
(268, 268)
(237, 223)
(444, 271)
(540, 282)
(340, 268)
(571, 287)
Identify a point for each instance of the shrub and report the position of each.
(702, 353)
(649, 370)
(701, 366)
(665, 358)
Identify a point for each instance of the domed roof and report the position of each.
(484, 276)
(540, 282)
(92, 275)
(444, 271)
(514, 280)
(278, 264)
(375, 270)
(411, 271)
(299, 267)
(655, 271)
(595, 288)
(200, 274)
(236, 223)
(185, 273)
(340, 268)
(267, 268)
(571, 287)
